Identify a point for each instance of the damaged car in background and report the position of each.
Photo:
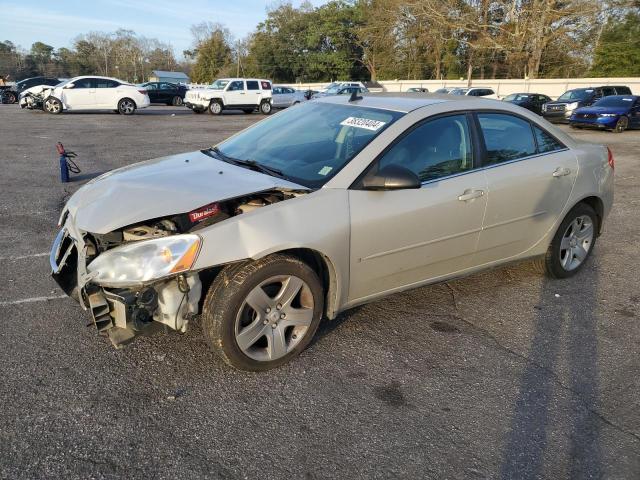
(323, 207)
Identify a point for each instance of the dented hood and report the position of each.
(162, 187)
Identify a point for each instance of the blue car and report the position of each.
(616, 112)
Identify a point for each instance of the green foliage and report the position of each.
(212, 56)
(618, 52)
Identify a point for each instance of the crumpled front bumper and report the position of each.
(122, 313)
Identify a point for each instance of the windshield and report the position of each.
(615, 101)
(334, 89)
(580, 94)
(514, 97)
(219, 84)
(311, 142)
(459, 91)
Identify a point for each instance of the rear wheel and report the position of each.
(176, 101)
(126, 106)
(259, 315)
(265, 107)
(572, 243)
(215, 107)
(52, 105)
(621, 125)
(9, 97)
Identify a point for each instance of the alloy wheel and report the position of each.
(576, 242)
(274, 317)
(51, 105)
(622, 124)
(127, 107)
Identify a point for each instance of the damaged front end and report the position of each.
(138, 279)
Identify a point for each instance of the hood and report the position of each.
(37, 89)
(598, 110)
(162, 187)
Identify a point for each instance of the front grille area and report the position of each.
(555, 108)
(589, 116)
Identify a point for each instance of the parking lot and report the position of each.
(504, 374)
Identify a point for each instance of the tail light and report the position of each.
(611, 160)
(143, 92)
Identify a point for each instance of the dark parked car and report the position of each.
(617, 113)
(418, 90)
(560, 110)
(165, 92)
(530, 101)
(11, 95)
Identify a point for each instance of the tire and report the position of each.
(266, 107)
(9, 97)
(126, 106)
(176, 101)
(561, 262)
(248, 110)
(52, 105)
(215, 107)
(621, 125)
(246, 339)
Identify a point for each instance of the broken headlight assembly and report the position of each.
(144, 261)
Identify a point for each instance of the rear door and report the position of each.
(106, 95)
(82, 96)
(530, 176)
(253, 92)
(634, 114)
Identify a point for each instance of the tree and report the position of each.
(618, 52)
(212, 52)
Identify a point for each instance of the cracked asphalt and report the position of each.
(505, 374)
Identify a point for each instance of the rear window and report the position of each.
(253, 85)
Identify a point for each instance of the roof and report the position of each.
(399, 102)
(164, 73)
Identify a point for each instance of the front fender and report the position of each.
(318, 221)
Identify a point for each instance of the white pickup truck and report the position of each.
(245, 94)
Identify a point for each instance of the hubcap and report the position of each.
(576, 242)
(52, 106)
(215, 107)
(266, 107)
(127, 107)
(274, 318)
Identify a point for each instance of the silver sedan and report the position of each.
(323, 207)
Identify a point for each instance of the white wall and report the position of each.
(552, 87)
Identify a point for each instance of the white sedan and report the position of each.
(94, 93)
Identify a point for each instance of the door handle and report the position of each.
(470, 195)
(561, 172)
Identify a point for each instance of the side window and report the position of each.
(151, 87)
(253, 85)
(102, 83)
(235, 86)
(506, 137)
(266, 85)
(546, 143)
(166, 86)
(606, 91)
(276, 90)
(435, 149)
(290, 90)
(84, 83)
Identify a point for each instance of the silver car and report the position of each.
(283, 97)
(323, 207)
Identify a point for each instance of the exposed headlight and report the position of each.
(608, 114)
(138, 262)
(544, 107)
(572, 106)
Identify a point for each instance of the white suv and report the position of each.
(245, 94)
(93, 93)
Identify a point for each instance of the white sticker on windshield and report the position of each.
(365, 123)
(325, 170)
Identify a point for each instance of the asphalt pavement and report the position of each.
(504, 374)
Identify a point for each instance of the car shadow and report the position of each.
(85, 176)
(536, 407)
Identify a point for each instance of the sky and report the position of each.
(58, 22)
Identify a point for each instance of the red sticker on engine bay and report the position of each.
(204, 212)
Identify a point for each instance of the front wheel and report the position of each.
(259, 315)
(52, 105)
(176, 101)
(572, 243)
(126, 106)
(265, 107)
(621, 125)
(215, 107)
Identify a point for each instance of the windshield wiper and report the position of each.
(274, 172)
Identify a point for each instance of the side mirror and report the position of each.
(69, 85)
(391, 177)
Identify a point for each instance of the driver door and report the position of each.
(82, 96)
(236, 93)
(401, 238)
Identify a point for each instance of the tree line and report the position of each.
(373, 40)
